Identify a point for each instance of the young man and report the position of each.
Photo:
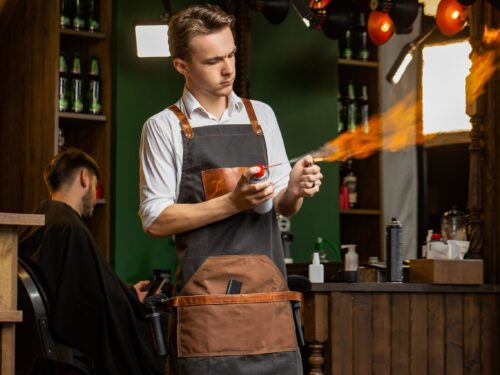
(91, 309)
(197, 160)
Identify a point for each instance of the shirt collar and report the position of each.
(191, 104)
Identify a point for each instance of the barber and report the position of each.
(197, 159)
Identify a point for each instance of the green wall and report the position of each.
(293, 69)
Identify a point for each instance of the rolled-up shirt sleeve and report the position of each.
(157, 170)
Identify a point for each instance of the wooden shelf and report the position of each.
(71, 33)
(360, 63)
(360, 211)
(81, 116)
(21, 219)
(11, 316)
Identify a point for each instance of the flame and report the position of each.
(484, 64)
(396, 132)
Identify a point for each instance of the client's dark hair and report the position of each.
(64, 165)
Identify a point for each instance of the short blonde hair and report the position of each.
(193, 21)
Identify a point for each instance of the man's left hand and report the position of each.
(305, 177)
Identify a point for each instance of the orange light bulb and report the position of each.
(451, 17)
(380, 27)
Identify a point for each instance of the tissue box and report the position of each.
(446, 271)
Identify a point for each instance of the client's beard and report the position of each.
(87, 205)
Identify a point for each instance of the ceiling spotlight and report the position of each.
(402, 12)
(308, 16)
(275, 11)
(335, 18)
(151, 35)
(380, 27)
(451, 16)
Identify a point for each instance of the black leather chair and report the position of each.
(37, 352)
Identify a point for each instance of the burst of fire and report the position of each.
(398, 132)
(484, 64)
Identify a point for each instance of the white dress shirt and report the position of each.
(161, 150)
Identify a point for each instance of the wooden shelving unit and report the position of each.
(362, 225)
(31, 41)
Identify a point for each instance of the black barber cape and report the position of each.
(90, 307)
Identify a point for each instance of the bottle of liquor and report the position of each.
(350, 181)
(351, 107)
(66, 13)
(79, 15)
(364, 109)
(94, 88)
(60, 139)
(76, 85)
(340, 115)
(362, 38)
(62, 102)
(346, 45)
(93, 15)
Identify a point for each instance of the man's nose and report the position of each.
(227, 69)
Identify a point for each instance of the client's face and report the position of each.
(89, 199)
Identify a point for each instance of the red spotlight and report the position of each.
(380, 27)
(451, 16)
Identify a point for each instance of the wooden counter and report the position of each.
(8, 284)
(389, 328)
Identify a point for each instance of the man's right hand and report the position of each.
(247, 195)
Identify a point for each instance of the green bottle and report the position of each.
(76, 85)
(351, 108)
(340, 115)
(63, 102)
(94, 88)
(79, 15)
(364, 109)
(93, 15)
(65, 19)
(362, 38)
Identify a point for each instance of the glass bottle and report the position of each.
(350, 180)
(351, 108)
(63, 102)
(340, 115)
(94, 87)
(66, 13)
(364, 109)
(362, 38)
(93, 15)
(79, 15)
(346, 45)
(76, 85)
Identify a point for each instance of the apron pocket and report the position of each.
(241, 324)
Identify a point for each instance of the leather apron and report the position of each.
(211, 332)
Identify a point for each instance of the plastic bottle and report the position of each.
(261, 176)
(316, 270)
(351, 263)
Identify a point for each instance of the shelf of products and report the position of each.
(32, 126)
(358, 104)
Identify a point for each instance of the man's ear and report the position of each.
(84, 177)
(181, 67)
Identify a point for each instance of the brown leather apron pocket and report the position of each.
(258, 321)
(220, 181)
(235, 327)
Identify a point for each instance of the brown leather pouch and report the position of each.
(220, 181)
(211, 323)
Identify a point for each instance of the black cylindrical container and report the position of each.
(394, 251)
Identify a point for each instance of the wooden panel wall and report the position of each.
(412, 333)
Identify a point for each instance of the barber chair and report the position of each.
(37, 352)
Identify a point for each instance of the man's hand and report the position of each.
(305, 181)
(141, 289)
(246, 195)
(305, 178)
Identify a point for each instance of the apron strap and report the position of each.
(188, 130)
(223, 299)
(251, 115)
(186, 126)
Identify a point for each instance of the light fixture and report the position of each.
(406, 56)
(151, 36)
(451, 16)
(307, 15)
(380, 27)
(334, 16)
(275, 11)
(402, 12)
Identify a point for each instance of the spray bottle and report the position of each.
(261, 176)
(316, 270)
(351, 263)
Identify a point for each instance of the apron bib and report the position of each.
(211, 332)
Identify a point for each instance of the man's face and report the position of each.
(210, 71)
(89, 199)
